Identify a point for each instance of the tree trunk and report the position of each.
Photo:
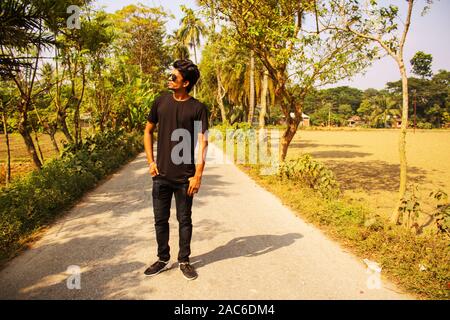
(288, 135)
(8, 149)
(62, 115)
(219, 98)
(76, 123)
(263, 111)
(195, 58)
(251, 107)
(23, 130)
(37, 142)
(51, 133)
(402, 143)
(213, 114)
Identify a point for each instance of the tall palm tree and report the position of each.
(191, 29)
(178, 48)
(384, 110)
(22, 28)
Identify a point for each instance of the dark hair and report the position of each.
(189, 71)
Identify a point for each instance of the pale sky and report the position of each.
(429, 33)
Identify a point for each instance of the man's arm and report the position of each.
(200, 165)
(148, 145)
(195, 181)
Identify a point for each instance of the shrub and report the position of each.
(424, 125)
(311, 173)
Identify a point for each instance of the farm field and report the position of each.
(366, 162)
(21, 162)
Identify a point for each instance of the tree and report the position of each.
(384, 110)
(21, 58)
(190, 31)
(421, 64)
(264, 95)
(179, 49)
(274, 30)
(7, 98)
(379, 24)
(22, 27)
(252, 88)
(140, 31)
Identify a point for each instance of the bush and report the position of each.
(424, 125)
(33, 201)
(312, 174)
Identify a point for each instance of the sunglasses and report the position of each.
(172, 77)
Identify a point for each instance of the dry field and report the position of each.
(20, 160)
(366, 162)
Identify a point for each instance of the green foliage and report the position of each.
(424, 125)
(421, 64)
(310, 173)
(442, 213)
(32, 202)
(381, 108)
(410, 207)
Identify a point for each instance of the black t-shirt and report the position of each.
(174, 163)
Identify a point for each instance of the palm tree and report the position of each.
(179, 49)
(22, 28)
(191, 29)
(384, 109)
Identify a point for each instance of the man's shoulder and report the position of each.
(199, 104)
(162, 96)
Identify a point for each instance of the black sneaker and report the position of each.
(158, 267)
(188, 271)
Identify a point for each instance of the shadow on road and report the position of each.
(250, 246)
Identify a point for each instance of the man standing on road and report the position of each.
(182, 121)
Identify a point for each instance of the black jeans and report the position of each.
(162, 198)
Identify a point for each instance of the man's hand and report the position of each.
(153, 169)
(194, 185)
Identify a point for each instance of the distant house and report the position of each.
(355, 121)
(305, 119)
(396, 122)
(85, 120)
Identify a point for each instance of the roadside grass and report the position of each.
(401, 253)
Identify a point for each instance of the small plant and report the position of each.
(410, 208)
(442, 213)
(312, 174)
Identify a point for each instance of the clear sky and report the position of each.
(429, 33)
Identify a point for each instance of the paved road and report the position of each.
(246, 245)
